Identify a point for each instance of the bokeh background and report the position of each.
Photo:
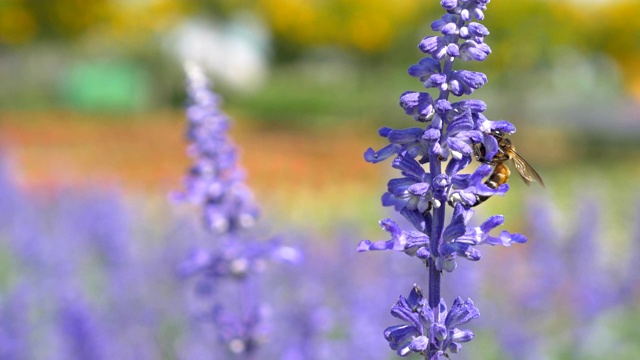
(91, 106)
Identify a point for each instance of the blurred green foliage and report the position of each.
(109, 86)
(378, 36)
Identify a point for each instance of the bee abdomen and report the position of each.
(499, 176)
(480, 199)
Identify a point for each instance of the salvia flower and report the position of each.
(81, 333)
(431, 159)
(241, 335)
(429, 332)
(234, 261)
(412, 243)
(215, 182)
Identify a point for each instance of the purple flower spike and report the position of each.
(455, 134)
(215, 182)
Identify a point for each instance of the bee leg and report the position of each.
(480, 199)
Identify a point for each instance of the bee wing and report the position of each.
(528, 173)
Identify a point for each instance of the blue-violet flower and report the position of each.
(451, 133)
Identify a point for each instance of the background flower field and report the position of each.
(89, 243)
(325, 206)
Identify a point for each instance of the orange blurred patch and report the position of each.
(147, 152)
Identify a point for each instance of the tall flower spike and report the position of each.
(451, 134)
(215, 182)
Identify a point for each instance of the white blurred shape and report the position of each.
(235, 52)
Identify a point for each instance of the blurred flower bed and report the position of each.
(90, 271)
(139, 55)
(90, 248)
(306, 170)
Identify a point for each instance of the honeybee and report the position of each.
(501, 172)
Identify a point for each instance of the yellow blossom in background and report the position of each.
(17, 24)
(24, 21)
(365, 25)
(133, 22)
(73, 17)
(616, 31)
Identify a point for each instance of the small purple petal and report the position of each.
(423, 253)
(429, 44)
(449, 29)
(373, 156)
(405, 136)
(465, 15)
(419, 344)
(490, 147)
(452, 232)
(435, 81)
(449, 4)
(453, 50)
(478, 29)
(431, 135)
(456, 88)
(391, 227)
(492, 223)
(472, 53)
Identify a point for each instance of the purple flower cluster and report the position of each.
(453, 133)
(426, 329)
(74, 266)
(563, 291)
(86, 277)
(215, 182)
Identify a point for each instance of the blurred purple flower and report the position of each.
(215, 180)
(81, 334)
(14, 325)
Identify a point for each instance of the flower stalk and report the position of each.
(215, 183)
(451, 134)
